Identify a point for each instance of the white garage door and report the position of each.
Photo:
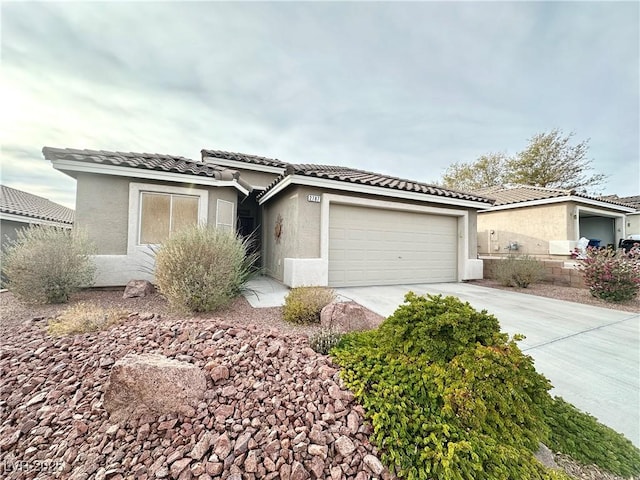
(370, 246)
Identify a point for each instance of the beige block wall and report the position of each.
(102, 208)
(530, 227)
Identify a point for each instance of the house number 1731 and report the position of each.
(313, 198)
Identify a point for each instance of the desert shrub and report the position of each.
(46, 264)
(612, 275)
(202, 268)
(303, 304)
(448, 395)
(581, 436)
(324, 340)
(519, 271)
(84, 318)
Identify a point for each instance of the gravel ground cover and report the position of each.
(280, 414)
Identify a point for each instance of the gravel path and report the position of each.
(281, 414)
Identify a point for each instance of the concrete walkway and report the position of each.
(590, 354)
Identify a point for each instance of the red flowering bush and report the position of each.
(613, 276)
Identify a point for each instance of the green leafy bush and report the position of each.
(84, 318)
(303, 304)
(519, 271)
(612, 275)
(586, 440)
(202, 268)
(324, 340)
(448, 395)
(46, 264)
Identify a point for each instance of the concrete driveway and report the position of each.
(590, 354)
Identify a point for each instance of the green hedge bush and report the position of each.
(47, 264)
(202, 268)
(582, 437)
(303, 305)
(450, 397)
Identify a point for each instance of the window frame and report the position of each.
(219, 224)
(135, 208)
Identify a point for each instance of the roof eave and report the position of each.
(367, 189)
(224, 162)
(72, 167)
(566, 198)
(23, 218)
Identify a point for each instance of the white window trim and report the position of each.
(233, 214)
(135, 205)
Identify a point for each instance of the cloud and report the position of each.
(400, 89)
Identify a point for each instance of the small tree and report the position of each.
(46, 264)
(550, 160)
(486, 171)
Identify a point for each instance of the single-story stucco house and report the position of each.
(316, 225)
(19, 209)
(547, 222)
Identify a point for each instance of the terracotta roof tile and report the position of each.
(362, 177)
(25, 204)
(147, 161)
(633, 201)
(243, 157)
(527, 193)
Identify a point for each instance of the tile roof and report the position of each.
(633, 201)
(362, 177)
(243, 157)
(527, 193)
(147, 161)
(25, 204)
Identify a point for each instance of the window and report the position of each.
(163, 213)
(224, 215)
(158, 210)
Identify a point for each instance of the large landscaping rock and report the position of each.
(153, 383)
(138, 288)
(347, 317)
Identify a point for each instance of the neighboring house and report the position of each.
(317, 225)
(20, 209)
(547, 222)
(633, 219)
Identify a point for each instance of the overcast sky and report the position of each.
(398, 88)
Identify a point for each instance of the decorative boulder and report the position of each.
(138, 288)
(347, 317)
(545, 456)
(151, 383)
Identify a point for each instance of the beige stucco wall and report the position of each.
(275, 250)
(102, 208)
(256, 179)
(530, 227)
(632, 224)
